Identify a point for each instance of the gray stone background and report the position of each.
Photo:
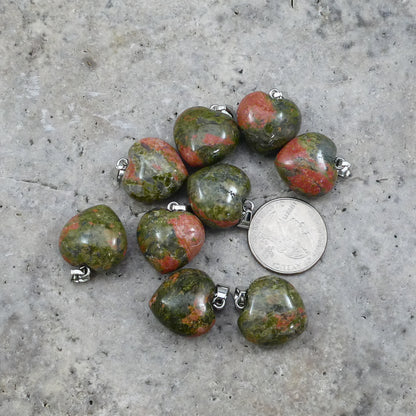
(76, 77)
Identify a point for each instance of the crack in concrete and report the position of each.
(35, 182)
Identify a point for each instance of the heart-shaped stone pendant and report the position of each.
(273, 312)
(94, 238)
(183, 302)
(170, 239)
(204, 136)
(308, 164)
(217, 193)
(154, 172)
(268, 121)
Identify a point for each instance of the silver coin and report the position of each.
(287, 235)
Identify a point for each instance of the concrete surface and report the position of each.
(76, 77)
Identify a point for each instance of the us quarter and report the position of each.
(287, 235)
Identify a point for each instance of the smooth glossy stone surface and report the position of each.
(170, 239)
(274, 313)
(267, 123)
(183, 302)
(307, 164)
(204, 136)
(155, 170)
(95, 238)
(216, 194)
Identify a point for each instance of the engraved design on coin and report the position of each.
(287, 235)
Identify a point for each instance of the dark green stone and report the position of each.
(204, 136)
(183, 302)
(95, 238)
(217, 193)
(155, 170)
(274, 313)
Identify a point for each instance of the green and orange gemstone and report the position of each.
(94, 238)
(204, 136)
(308, 164)
(268, 121)
(217, 194)
(170, 239)
(154, 172)
(183, 302)
(274, 312)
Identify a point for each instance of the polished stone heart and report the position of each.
(155, 170)
(274, 312)
(95, 238)
(267, 123)
(307, 164)
(204, 136)
(183, 302)
(170, 239)
(217, 193)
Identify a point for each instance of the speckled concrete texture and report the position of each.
(78, 78)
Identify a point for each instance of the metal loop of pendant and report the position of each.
(246, 215)
(224, 109)
(276, 94)
(343, 167)
(220, 297)
(121, 167)
(240, 298)
(81, 275)
(175, 206)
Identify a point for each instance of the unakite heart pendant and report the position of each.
(273, 311)
(153, 171)
(186, 300)
(170, 238)
(309, 164)
(268, 121)
(217, 193)
(205, 136)
(94, 239)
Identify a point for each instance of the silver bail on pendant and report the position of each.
(224, 109)
(175, 206)
(121, 167)
(246, 214)
(81, 275)
(240, 298)
(276, 94)
(220, 297)
(343, 167)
